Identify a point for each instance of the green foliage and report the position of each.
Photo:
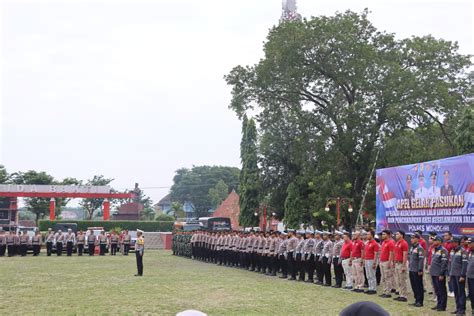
(465, 132)
(218, 194)
(331, 89)
(177, 210)
(193, 185)
(165, 218)
(148, 226)
(91, 205)
(148, 214)
(250, 178)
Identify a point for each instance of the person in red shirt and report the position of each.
(346, 259)
(371, 259)
(400, 257)
(386, 263)
(357, 263)
(422, 240)
(428, 282)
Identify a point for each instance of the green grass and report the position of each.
(106, 285)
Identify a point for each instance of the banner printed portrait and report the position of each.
(429, 196)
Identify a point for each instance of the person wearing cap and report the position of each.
(70, 241)
(126, 239)
(11, 243)
(470, 273)
(422, 191)
(345, 259)
(292, 243)
(457, 267)
(447, 189)
(24, 242)
(113, 243)
(282, 255)
(102, 238)
(415, 267)
(439, 272)
(91, 240)
(49, 242)
(409, 193)
(400, 258)
(318, 249)
(326, 258)
(357, 263)
(433, 191)
(309, 256)
(59, 241)
(386, 263)
(139, 252)
(299, 257)
(36, 241)
(81, 240)
(3, 242)
(336, 259)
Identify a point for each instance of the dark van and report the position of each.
(65, 226)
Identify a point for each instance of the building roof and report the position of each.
(165, 200)
(230, 208)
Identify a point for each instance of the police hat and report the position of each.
(338, 233)
(300, 232)
(318, 232)
(469, 240)
(437, 238)
(326, 233)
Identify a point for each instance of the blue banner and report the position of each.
(430, 196)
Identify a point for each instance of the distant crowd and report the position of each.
(362, 259)
(14, 244)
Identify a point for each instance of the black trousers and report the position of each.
(113, 249)
(91, 249)
(309, 266)
(338, 270)
(23, 248)
(80, 249)
(126, 249)
(470, 287)
(440, 290)
(319, 269)
(291, 265)
(139, 257)
(11, 250)
(283, 265)
(69, 247)
(36, 250)
(3, 249)
(327, 270)
(59, 248)
(49, 248)
(459, 289)
(102, 249)
(416, 282)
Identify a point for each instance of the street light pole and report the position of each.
(338, 201)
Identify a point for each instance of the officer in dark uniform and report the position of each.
(447, 189)
(470, 273)
(439, 272)
(457, 274)
(409, 193)
(416, 259)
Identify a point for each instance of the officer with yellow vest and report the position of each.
(139, 251)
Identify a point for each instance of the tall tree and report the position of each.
(91, 205)
(37, 206)
(250, 179)
(192, 185)
(465, 132)
(218, 193)
(337, 87)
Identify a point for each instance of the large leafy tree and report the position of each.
(465, 132)
(250, 179)
(334, 88)
(218, 193)
(193, 185)
(91, 205)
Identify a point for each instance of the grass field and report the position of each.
(106, 285)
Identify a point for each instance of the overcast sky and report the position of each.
(134, 90)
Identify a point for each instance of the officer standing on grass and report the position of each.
(36, 241)
(113, 243)
(470, 273)
(49, 242)
(457, 268)
(416, 262)
(70, 241)
(59, 240)
(91, 242)
(126, 243)
(439, 271)
(81, 240)
(139, 251)
(11, 243)
(102, 243)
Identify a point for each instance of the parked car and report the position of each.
(133, 240)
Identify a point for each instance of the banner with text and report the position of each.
(429, 196)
